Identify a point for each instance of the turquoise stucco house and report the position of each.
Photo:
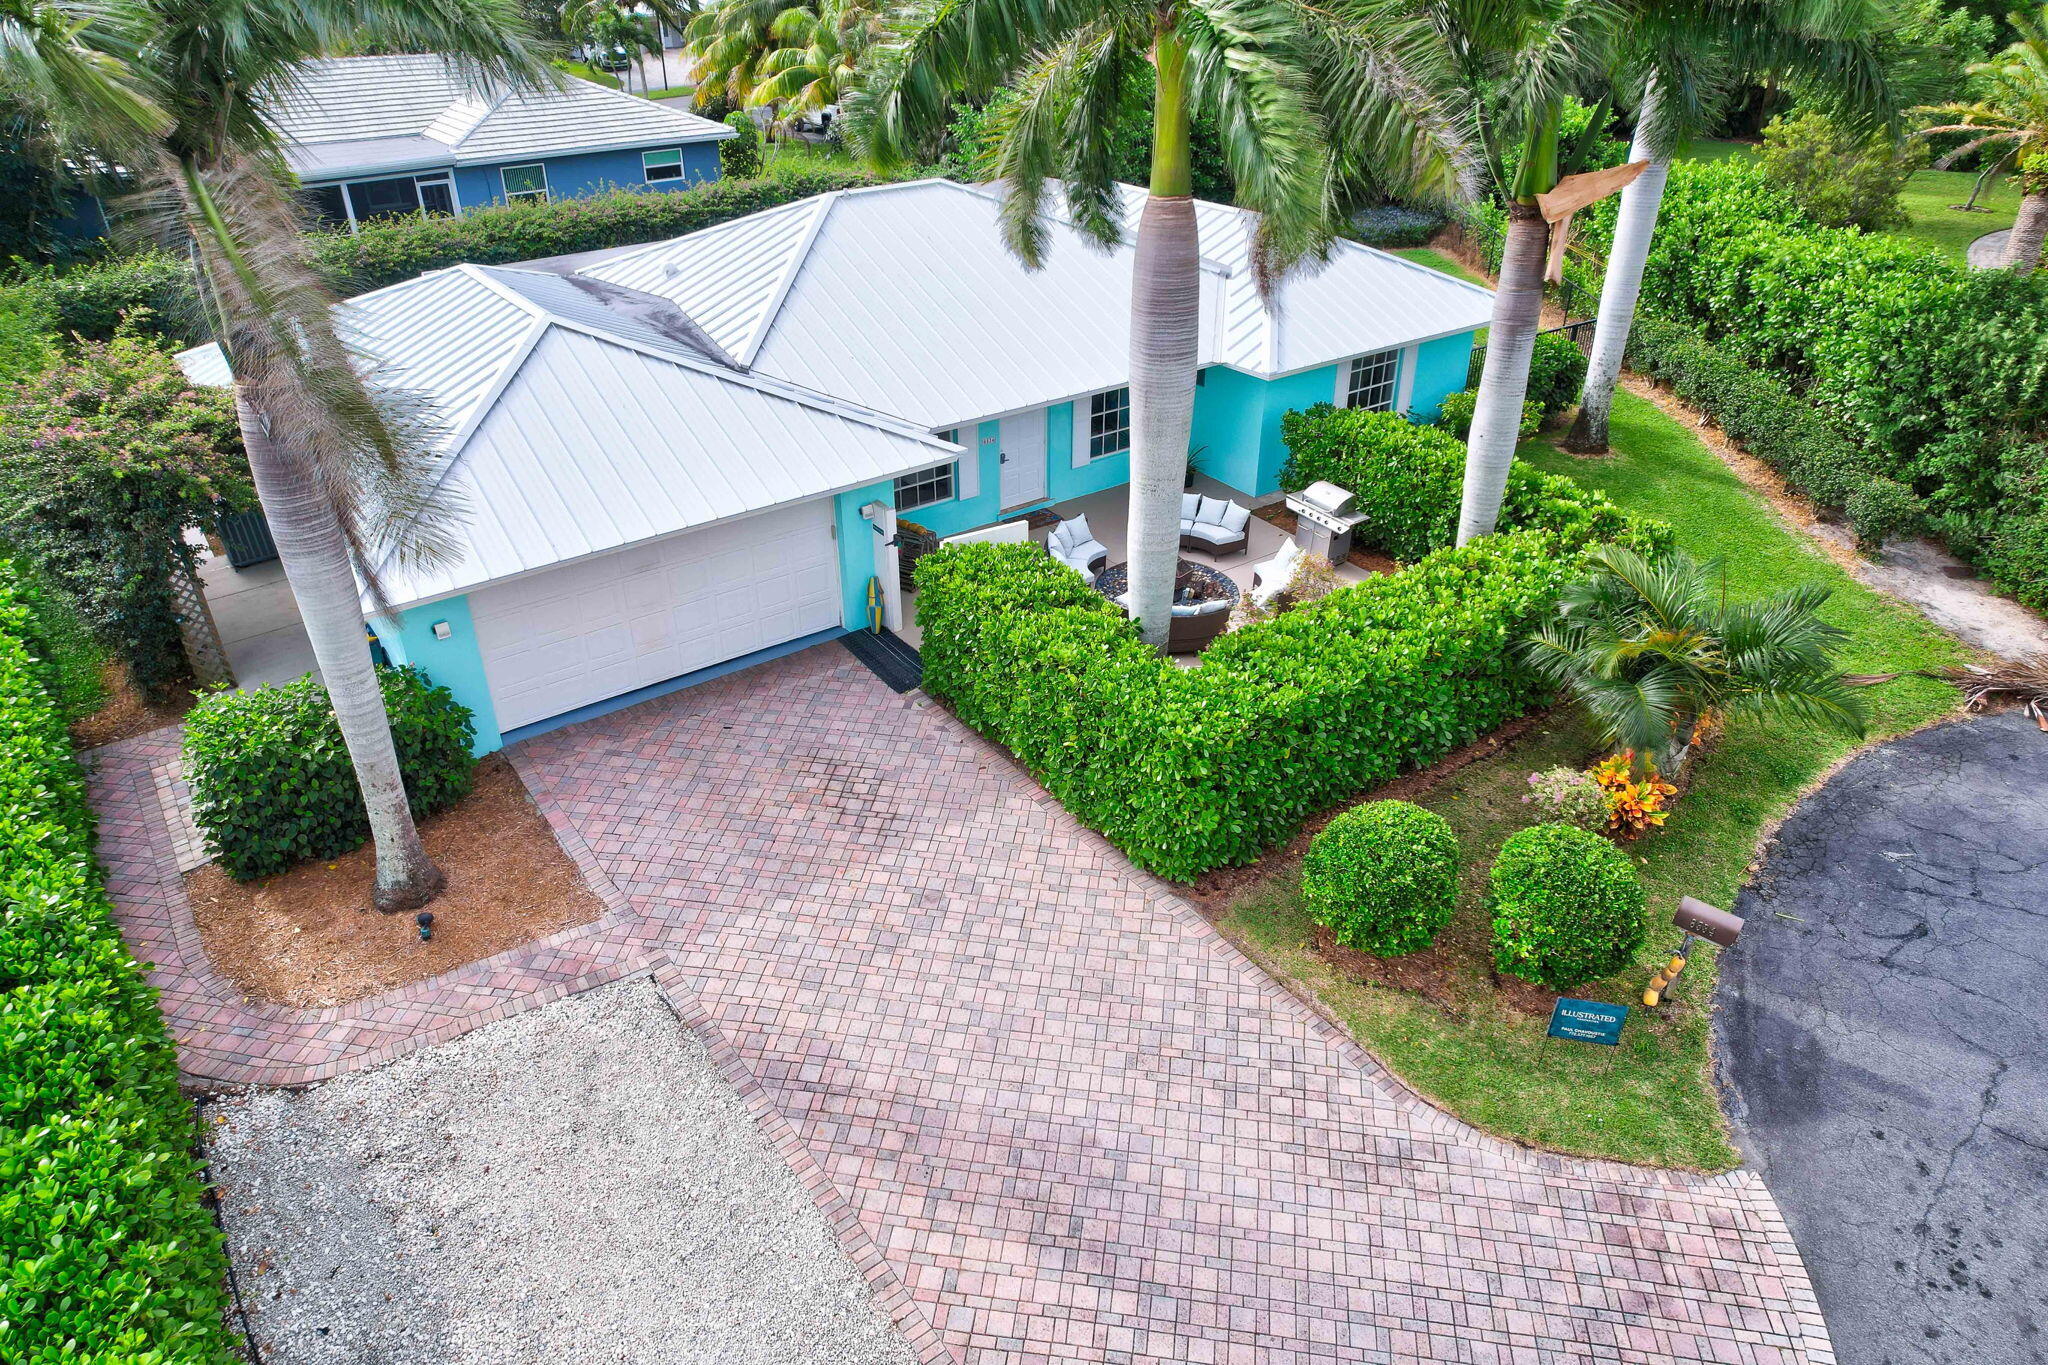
(678, 458)
(370, 137)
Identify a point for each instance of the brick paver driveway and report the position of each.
(1075, 1122)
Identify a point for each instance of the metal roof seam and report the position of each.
(790, 270)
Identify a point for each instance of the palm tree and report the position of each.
(1686, 58)
(1520, 58)
(1655, 652)
(815, 58)
(2012, 116)
(728, 45)
(1305, 107)
(340, 466)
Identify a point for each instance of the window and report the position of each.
(324, 202)
(925, 487)
(525, 182)
(1369, 383)
(1109, 423)
(438, 196)
(665, 165)
(384, 198)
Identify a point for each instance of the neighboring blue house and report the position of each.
(694, 452)
(374, 136)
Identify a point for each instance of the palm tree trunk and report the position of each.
(1165, 319)
(1633, 228)
(1504, 383)
(316, 563)
(2029, 230)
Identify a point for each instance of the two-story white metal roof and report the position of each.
(354, 116)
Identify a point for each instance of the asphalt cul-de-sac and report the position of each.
(1886, 1036)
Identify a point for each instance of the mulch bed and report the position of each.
(1442, 973)
(1372, 561)
(309, 938)
(126, 713)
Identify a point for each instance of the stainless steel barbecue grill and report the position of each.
(1324, 520)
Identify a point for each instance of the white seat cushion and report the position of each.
(1235, 518)
(1211, 511)
(1190, 504)
(1215, 535)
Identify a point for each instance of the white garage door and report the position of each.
(567, 637)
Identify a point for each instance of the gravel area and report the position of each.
(574, 1184)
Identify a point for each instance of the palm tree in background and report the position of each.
(1310, 111)
(343, 469)
(728, 47)
(2013, 118)
(1686, 58)
(1517, 61)
(815, 58)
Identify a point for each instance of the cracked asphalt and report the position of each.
(1882, 1029)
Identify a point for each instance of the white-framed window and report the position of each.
(666, 164)
(525, 182)
(1109, 423)
(925, 487)
(1369, 382)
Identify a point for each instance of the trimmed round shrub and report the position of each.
(1884, 509)
(1557, 371)
(272, 786)
(1566, 906)
(1383, 877)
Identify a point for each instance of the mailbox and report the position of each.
(1701, 920)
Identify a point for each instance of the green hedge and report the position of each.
(1930, 374)
(1383, 877)
(398, 249)
(1566, 906)
(1191, 769)
(1408, 480)
(106, 1252)
(90, 299)
(272, 785)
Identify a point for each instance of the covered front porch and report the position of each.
(1108, 514)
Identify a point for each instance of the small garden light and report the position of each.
(425, 920)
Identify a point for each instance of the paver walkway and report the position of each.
(1058, 1117)
(1884, 1026)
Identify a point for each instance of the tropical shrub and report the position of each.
(1408, 479)
(395, 249)
(271, 782)
(28, 341)
(105, 458)
(1566, 907)
(153, 291)
(1883, 509)
(1557, 370)
(739, 157)
(1838, 178)
(1396, 225)
(1190, 769)
(1383, 877)
(110, 1253)
(1634, 795)
(1653, 650)
(1566, 796)
(1455, 416)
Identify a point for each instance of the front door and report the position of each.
(1023, 443)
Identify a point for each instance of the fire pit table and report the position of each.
(1202, 599)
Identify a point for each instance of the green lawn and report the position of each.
(1650, 1100)
(587, 72)
(1928, 197)
(1707, 149)
(1436, 260)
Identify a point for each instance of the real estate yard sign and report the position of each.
(1588, 1021)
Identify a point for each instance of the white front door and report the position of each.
(1023, 440)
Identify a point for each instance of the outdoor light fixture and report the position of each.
(425, 920)
(442, 630)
